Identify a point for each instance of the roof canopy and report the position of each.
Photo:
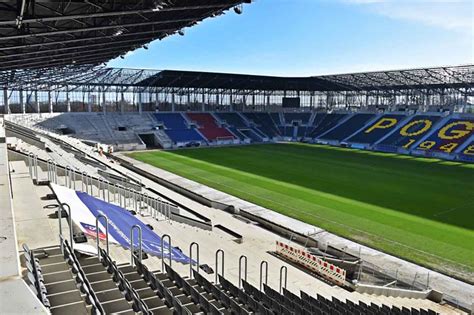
(54, 33)
(455, 77)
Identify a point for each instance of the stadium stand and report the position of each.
(449, 136)
(209, 128)
(177, 128)
(377, 130)
(348, 127)
(324, 122)
(420, 134)
(171, 120)
(303, 118)
(409, 133)
(467, 153)
(239, 127)
(264, 123)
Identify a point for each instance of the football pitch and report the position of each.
(418, 209)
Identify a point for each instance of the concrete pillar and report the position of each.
(5, 100)
(231, 100)
(68, 102)
(50, 101)
(22, 102)
(38, 109)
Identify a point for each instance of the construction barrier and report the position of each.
(327, 270)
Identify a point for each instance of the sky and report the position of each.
(316, 37)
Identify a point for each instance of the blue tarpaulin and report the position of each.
(120, 224)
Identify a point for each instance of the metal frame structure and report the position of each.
(37, 34)
(99, 88)
(53, 55)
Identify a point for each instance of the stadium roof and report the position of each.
(55, 33)
(456, 77)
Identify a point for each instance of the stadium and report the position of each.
(197, 192)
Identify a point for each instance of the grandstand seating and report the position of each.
(172, 120)
(409, 133)
(177, 128)
(449, 136)
(286, 131)
(232, 119)
(377, 130)
(324, 122)
(421, 134)
(467, 153)
(264, 122)
(209, 128)
(302, 117)
(348, 127)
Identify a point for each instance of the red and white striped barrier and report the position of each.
(329, 271)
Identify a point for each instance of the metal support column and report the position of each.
(173, 104)
(140, 102)
(22, 102)
(68, 101)
(5, 100)
(122, 102)
(38, 109)
(104, 107)
(50, 101)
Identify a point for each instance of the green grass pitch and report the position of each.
(418, 209)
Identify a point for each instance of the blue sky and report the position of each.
(313, 37)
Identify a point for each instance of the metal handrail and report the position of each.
(242, 257)
(163, 252)
(219, 251)
(281, 278)
(193, 244)
(106, 232)
(136, 226)
(266, 273)
(71, 236)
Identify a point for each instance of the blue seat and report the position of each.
(184, 135)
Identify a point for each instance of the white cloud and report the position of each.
(456, 15)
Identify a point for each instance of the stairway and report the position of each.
(62, 292)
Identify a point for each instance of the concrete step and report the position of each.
(116, 306)
(51, 260)
(161, 311)
(99, 276)
(65, 298)
(93, 268)
(51, 268)
(78, 308)
(57, 277)
(61, 287)
(146, 293)
(154, 302)
(126, 269)
(109, 295)
(87, 261)
(139, 284)
(133, 276)
(103, 286)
